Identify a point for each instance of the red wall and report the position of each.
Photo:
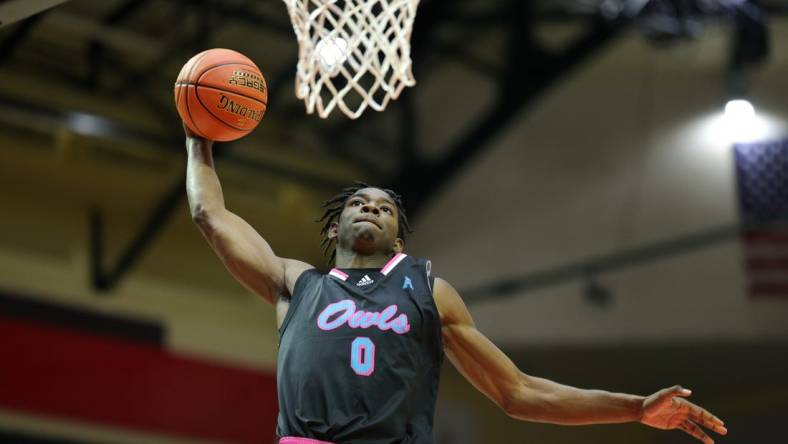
(68, 373)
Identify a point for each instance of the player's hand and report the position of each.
(189, 133)
(666, 410)
(193, 138)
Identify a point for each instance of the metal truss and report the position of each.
(590, 268)
(518, 85)
(527, 71)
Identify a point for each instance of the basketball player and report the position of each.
(361, 347)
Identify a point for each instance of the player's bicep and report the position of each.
(245, 253)
(482, 363)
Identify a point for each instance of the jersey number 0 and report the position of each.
(362, 356)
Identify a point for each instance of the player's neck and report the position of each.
(352, 259)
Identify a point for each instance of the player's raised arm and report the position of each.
(243, 251)
(541, 400)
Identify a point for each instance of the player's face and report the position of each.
(369, 222)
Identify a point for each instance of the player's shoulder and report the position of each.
(422, 266)
(294, 270)
(295, 265)
(449, 303)
(419, 261)
(443, 286)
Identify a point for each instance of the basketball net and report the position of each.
(353, 54)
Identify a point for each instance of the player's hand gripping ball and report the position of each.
(221, 95)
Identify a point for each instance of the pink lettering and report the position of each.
(344, 312)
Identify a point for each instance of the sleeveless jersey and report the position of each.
(360, 354)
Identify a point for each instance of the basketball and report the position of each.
(221, 95)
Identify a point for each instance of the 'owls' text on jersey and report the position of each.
(360, 355)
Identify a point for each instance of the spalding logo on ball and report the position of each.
(221, 95)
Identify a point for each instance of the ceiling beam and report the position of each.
(521, 86)
(512, 286)
(96, 49)
(12, 11)
(13, 41)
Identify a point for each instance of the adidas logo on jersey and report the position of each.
(366, 280)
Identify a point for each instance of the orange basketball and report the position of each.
(221, 95)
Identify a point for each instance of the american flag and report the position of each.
(762, 179)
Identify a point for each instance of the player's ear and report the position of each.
(399, 245)
(333, 230)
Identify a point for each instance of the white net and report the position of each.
(353, 54)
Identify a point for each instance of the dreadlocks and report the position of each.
(335, 205)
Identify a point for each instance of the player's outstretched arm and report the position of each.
(537, 399)
(243, 251)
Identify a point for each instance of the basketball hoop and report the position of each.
(353, 54)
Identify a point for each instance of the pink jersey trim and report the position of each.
(339, 274)
(295, 440)
(393, 263)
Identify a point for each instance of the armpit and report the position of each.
(282, 305)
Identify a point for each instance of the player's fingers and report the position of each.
(189, 133)
(693, 429)
(706, 419)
